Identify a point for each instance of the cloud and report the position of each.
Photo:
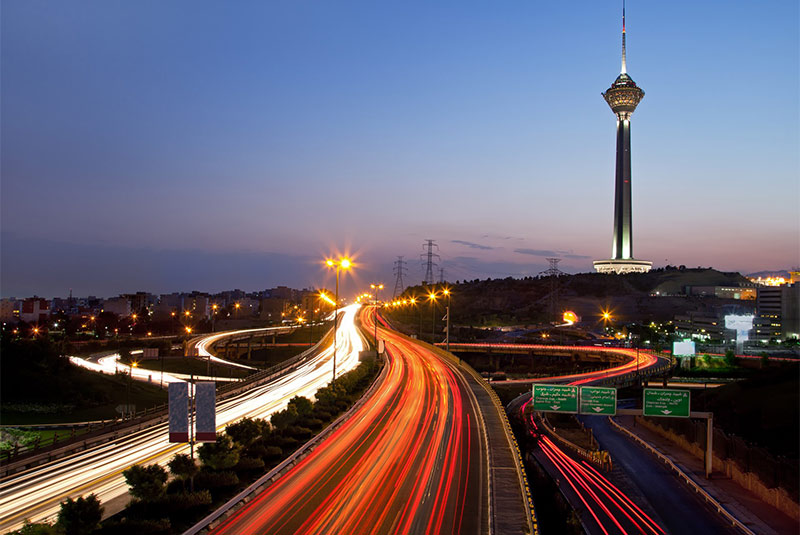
(473, 245)
(536, 252)
(547, 252)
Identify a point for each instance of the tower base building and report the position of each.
(620, 267)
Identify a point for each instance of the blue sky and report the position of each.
(251, 139)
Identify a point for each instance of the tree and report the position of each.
(285, 418)
(81, 516)
(246, 430)
(220, 455)
(302, 405)
(183, 466)
(146, 482)
(730, 358)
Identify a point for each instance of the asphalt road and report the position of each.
(680, 510)
(410, 461)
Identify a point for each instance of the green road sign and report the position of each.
(597, 400)
(661, 402)
(555, 398)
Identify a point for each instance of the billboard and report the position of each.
(683, 349)
(741, 323)
(205, 405)
(178, 412)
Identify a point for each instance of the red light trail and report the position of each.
(413, 460)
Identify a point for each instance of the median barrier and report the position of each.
(270, 477)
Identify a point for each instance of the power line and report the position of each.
(428, 263)
(400, 269)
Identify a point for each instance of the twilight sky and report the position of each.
(172, 146)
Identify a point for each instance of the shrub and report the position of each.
(282, 419)
(206, 479)
(146, 482)
(130, 526)
(246, 430)
(81, 516)
(302, 406)
(273, 453)
(249, 463)
(220, 455)
(183, 466)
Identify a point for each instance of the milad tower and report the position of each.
(623, 96)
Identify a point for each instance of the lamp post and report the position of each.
(213, 315)
(432, 298)
(343, 263)
(447, 315)
(128, 396)
(377, 288)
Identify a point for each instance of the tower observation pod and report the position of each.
(623, 96)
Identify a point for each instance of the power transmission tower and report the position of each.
(428, 262)
(400, 269)
(553, 272)
(441, 276)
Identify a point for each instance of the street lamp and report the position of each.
(377, 288)
(213, 315)
(342, 263)
(447, 315)
(432, 299)
(128, 397)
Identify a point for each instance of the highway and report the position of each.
(639, 496)
(412, 460)
(36, 493)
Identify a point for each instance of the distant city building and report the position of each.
(702, 327)
(9, 310)
(198, 304)
(34, 309)
(173, 301)
(271, 308)
(283, 292)
(723, 292)
(118, 305)
(778, 317)
(623, 96)
(141, 300)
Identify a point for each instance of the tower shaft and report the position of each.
(622, 248)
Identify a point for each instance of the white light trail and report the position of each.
(36, 494)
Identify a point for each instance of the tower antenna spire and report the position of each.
(624, 63)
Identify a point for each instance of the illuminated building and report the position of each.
(623, 96)
(778, 312)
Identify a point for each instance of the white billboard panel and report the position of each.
(683, 349)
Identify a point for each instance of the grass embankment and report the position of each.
(193, 365)
(39, 386)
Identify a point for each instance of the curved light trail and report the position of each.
(610, 509)
(413, 460)
(36, 493)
